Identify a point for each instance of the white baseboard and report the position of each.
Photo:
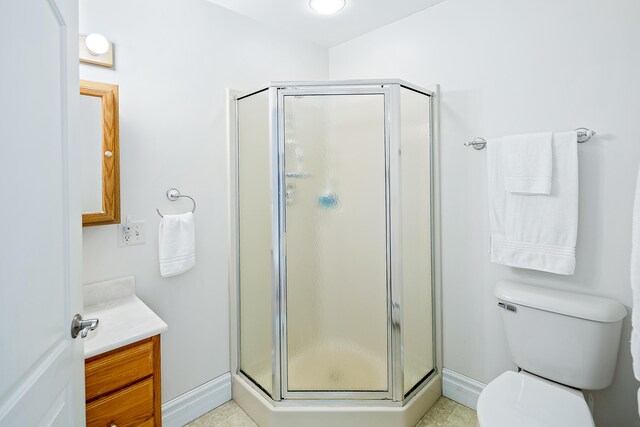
(208, 396)
(197, 402)
(462, 389)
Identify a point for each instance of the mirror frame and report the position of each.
(110, 164)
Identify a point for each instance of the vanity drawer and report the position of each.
(131, 406)
(149, 423)
(118, 368)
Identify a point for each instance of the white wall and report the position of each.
(514, 67)
(174, 59)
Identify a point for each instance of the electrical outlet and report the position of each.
(131, 233)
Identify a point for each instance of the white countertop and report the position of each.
(124, 318)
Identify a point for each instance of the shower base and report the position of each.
(327, 366)
(333, 366)
(335, 414)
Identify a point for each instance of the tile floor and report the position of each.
(445, 413)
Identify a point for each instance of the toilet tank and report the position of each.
(567, 337)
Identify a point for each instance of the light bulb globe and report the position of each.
(327, 7)
(97, 44)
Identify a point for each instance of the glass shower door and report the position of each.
(335, 235)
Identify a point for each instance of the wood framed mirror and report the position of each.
(99, 143)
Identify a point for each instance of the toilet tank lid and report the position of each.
(573, 304)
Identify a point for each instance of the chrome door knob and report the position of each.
(82, 327)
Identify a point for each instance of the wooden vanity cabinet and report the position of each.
(123, 386)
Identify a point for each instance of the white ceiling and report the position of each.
(296, 18)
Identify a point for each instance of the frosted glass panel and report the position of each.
(254, 204)
(416, 237)
(336, 243)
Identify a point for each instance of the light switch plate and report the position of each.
(130, 234)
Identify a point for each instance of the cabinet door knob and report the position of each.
(113, 425)
(108, 154)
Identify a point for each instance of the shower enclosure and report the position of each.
(334, 270)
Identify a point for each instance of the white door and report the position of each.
(41, 367)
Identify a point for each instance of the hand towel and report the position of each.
(635, 285)
(177, 244)
(537, 232)
(528, 163)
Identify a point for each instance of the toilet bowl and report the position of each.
(523, 400)
(562, 342)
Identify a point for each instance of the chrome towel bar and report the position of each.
(479, 143)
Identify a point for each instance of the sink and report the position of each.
(124, 318)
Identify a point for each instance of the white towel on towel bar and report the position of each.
(528, 163)
(635, 285)
(176, 244)
(537, 232)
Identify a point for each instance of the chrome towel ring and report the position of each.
(173, 194)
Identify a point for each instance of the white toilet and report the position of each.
(562, 342)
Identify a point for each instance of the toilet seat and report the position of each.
(517, 399)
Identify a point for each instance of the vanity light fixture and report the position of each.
(95, 49)
(327, 7)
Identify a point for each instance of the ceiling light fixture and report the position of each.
(327, 7)
(97, 44)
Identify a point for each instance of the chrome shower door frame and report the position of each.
(393, 315)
